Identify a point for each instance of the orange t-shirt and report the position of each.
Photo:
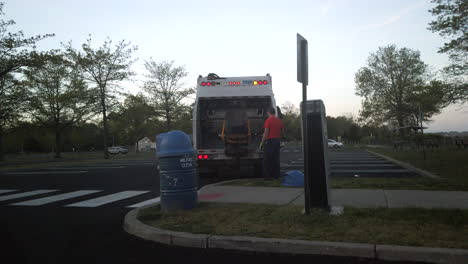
(274, 125)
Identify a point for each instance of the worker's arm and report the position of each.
(264, 136)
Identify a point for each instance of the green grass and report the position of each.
(412, 227)
(68, 158)
(451, 165)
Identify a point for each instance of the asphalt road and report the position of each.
(75, 215)
(347, 163)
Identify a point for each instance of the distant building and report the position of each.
(145, 144)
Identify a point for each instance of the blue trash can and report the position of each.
(177, 171)
(293, 179)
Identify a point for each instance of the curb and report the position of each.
(406, 165)
(292, 246)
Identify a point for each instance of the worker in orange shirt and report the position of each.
(271, 143)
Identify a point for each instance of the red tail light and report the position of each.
(205, 157)
(200, 156)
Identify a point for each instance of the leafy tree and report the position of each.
(105, 67)
(338, 126)
(164, 87)
(452, 23)
(135, 120)
(16, 52)
(394, 85)
(86, 136)
(291, 121)
(59, 96)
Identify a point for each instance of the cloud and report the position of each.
(394, 17)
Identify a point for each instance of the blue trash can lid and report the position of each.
(293, 179)
(173, 143)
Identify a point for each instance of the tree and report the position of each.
(165, 89)
(59, 96)
(16, 52)
(135, 120)
(291, 121)
(452, 23)
(394, 84)
(104, 67)
(338, 126)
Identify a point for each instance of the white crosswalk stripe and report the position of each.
(6, 191)
(55, 198)
(150, 201)
(107, 199)
(43, 172)
(24, 194)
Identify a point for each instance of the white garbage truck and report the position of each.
(228, 117)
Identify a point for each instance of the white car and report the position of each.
(117, 150)
(334, 144)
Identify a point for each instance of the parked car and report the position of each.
(334, 144)
(117, 150)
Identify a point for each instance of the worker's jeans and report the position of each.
(271, 158)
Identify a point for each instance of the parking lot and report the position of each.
(347, 163)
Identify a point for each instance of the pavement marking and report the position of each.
(107, 199)
(155, 200)
(360, 162)
(55, 198)
(77, 168)
(131, 164)
(24, 194)
(43, 172)
(364, 165)
(6, 191)
(371, 171)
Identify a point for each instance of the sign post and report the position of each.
(303, 77)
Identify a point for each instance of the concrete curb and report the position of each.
(406, 165)
(292, 246)
(219, 183)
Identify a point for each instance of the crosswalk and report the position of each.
(11, 197)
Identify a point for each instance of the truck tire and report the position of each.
(258, 169)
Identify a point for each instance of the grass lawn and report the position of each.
(451, 165)
(411, 227)
(68, 158)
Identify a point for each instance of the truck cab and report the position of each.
(228, 117)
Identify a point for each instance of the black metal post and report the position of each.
(305, 150)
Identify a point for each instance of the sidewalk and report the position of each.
(362, 198)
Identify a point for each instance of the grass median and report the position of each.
(450, 164)
(68, 159)
(411, 227)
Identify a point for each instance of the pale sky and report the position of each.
(249, 38)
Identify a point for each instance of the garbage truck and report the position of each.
(228, 117)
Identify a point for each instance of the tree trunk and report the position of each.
(1, 145)
(401, 124)
(57, 143)
(104, 119)
(168, 121)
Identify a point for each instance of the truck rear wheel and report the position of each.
(258, 169)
